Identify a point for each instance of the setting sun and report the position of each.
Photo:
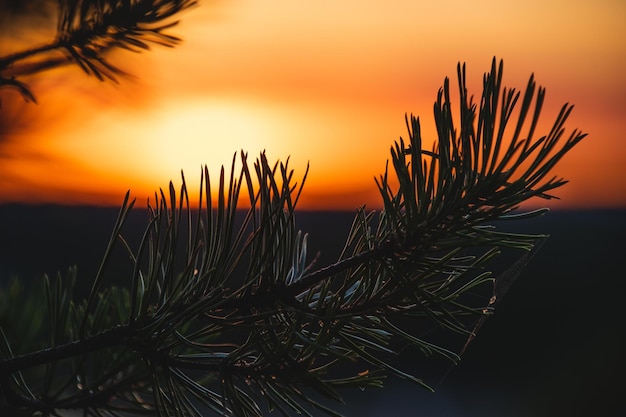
(181, 136)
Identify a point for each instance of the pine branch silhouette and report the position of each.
(226, 315)
(87, 30)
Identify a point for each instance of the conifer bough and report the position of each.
(230, 317)
(87, 30)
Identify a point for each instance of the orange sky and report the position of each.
(326, 82)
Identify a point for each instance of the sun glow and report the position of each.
(186, 137)
(204, 133)
(147, 152)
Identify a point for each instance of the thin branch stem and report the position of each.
(11, 59)
(111, 337)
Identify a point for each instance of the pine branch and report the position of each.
(224, 314)
(88, 30)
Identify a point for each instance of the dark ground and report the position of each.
(555, 347)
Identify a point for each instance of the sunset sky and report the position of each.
(325, 82)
